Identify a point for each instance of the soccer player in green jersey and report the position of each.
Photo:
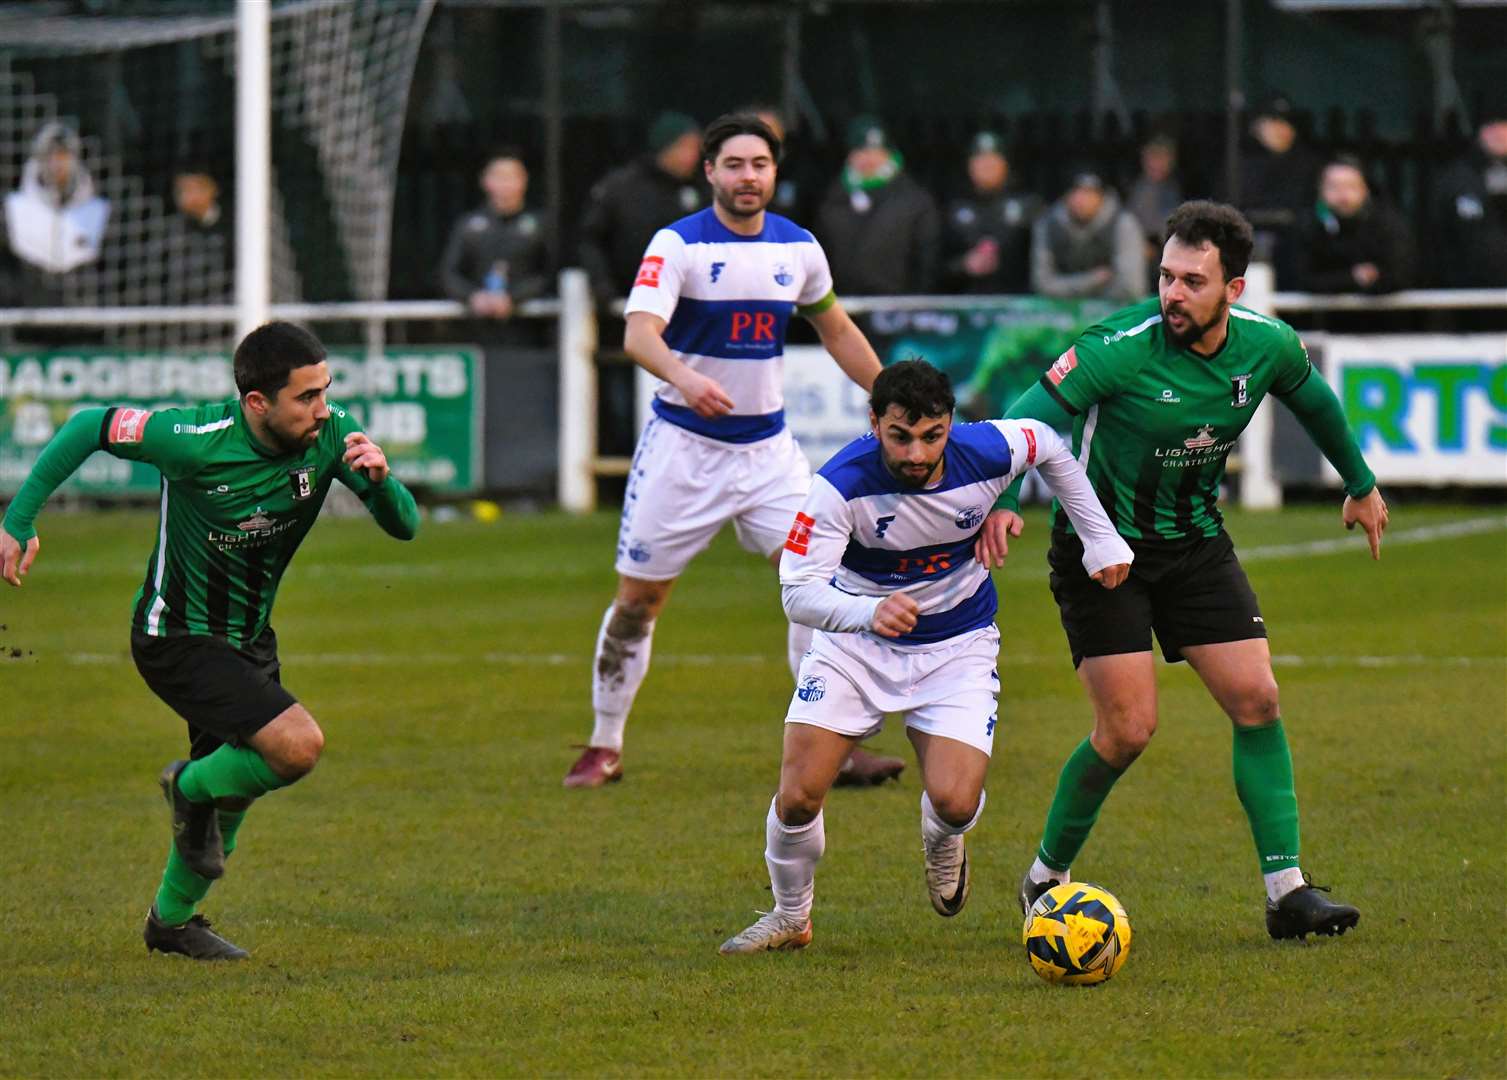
(242, 482)
(1156, 396)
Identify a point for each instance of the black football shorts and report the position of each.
(226, 694)
(1189, 594)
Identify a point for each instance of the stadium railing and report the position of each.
(580, 464)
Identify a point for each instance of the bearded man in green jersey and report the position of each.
(242, 483)
(1156, 396)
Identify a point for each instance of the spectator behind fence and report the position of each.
(880, 228)
(1277, 176)
(1154, 194)
(199, 271)
(1087, 244)
(1352, 242)
(794, 188)
(496, 257)
(1471, 210)
(632, 203)
(54, 222)
(988, 231)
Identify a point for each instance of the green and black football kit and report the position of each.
(232, 512)
(1153, 424)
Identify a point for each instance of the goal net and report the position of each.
(145, 104)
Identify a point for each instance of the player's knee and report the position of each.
(1256, 705)
(1122, 731)
(799, 803)
(300, 753)
(957, 808)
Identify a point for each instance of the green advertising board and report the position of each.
(992, 350)
(422, 405)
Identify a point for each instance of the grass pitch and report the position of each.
(432, 902)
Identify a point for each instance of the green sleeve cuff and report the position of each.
(808, 310)
(392, 506)
(1319, 411)
(1009, 499)
(60, 458)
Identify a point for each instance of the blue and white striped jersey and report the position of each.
(864, 534)
(727, 300)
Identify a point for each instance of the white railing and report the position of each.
(580, 463)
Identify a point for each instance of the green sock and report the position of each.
(1263, 780)
(182, 889)
(1081, 790)
(230, 772)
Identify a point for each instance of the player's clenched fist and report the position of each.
(895, 615)
(1114, 575)
(361, 453)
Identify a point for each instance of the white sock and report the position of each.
(612, 692)
(934, 829)
(797, 641)
(1040, 872)
(1281, 882)
(791, 852)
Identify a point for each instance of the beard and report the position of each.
(1194, 330)
(727, 198)
(290, 442)
(910, 480)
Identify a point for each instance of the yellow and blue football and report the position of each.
(1076, 934)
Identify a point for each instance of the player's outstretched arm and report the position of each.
(60, 458)
(1106, 555)
(365, 471)
(845, 342)
(1319, 411)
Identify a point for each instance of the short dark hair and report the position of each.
(740, 123)
(266, 356)
(506, 152)
(1203, 221)
(915, 386)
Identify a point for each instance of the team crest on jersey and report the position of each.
(799, 540)
(1061, 366)
(782, 274)
(639, 551)
(812, 688)
(970, 517)
(1239, 394)
(1202, 440)
(257, 522)
(648, 271)
(302, 479)
(128, 425)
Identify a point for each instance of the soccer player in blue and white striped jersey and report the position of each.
(707, 315)
(880, 561)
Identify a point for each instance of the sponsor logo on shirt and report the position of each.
(760, 322)
(1239, 394)
(1030, 445)
(648, 271)
(1169, 397)
(1202, 439)
(1061, 366)
(717, 271)
(128, 425)
(970, 517)
(882, 524)
(812, 688)
(799, 540)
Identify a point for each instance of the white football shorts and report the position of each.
(683, 488)
(848, 682)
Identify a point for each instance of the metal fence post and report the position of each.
(578, 393)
